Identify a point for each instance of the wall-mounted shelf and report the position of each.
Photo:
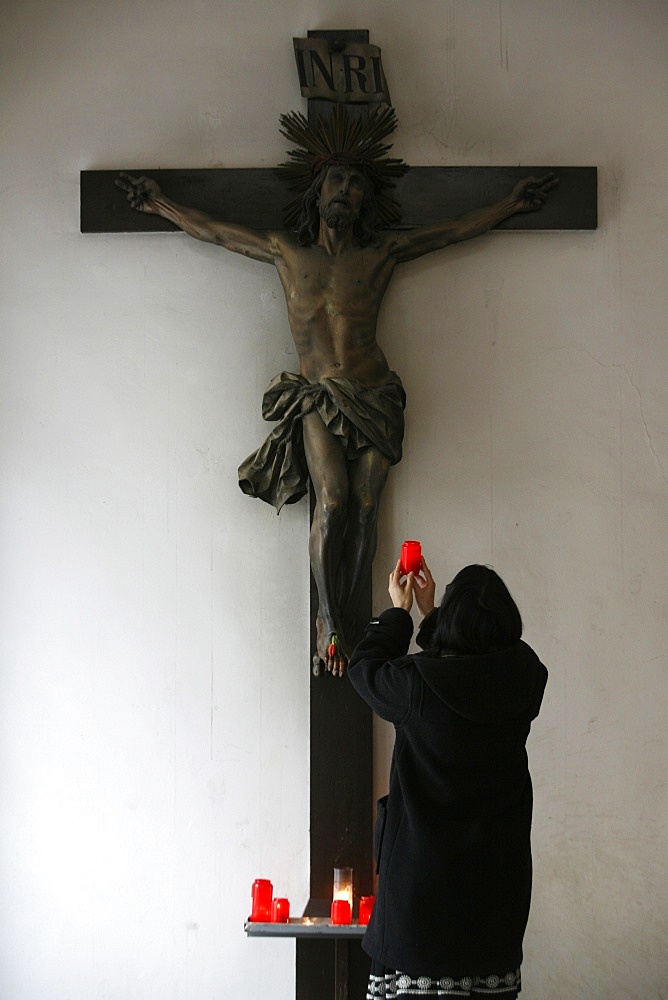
(305, 927)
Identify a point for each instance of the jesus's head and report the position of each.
(342, 196)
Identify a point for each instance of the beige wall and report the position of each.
(154, 737)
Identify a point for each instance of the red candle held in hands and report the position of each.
(411, 554)
(366, 906)
(261, 894)
(280, 910)
(340, 912)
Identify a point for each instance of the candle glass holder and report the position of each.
(411, 555)
(261, 895)
(366, 908)
(280, 910)
(340, 912)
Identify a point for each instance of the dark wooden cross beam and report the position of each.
(256, 197)
(341, 725)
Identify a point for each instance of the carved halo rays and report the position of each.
(359, 140)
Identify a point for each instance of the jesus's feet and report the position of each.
(330, 646)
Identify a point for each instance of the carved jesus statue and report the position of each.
(340, 418)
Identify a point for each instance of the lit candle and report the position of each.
(280, 910)
(366, 906)
(343, 885)
(411, 554)
(261, 894)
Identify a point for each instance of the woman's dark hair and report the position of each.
(366, 224)
(477, 614)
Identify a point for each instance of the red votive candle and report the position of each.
(411, 554)
(366, 906)
(261, 894)
(340, 912)
(280, 910)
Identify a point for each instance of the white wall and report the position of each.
(154, 732)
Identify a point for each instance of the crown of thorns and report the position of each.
(342, 139)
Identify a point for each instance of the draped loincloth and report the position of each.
(358, 415)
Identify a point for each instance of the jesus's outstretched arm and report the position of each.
(145, 195)
(528, 195)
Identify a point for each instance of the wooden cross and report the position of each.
(341, 779)
(255, 196)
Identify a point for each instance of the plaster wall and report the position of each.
(154, 731)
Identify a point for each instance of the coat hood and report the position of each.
(493, 687)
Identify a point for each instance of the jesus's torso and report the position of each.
(333, 303)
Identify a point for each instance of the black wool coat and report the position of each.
(453, 836)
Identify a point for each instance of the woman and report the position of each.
(453, 835)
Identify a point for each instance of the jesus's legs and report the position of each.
(329, 476)
(367, 477)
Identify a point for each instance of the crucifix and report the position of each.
(339, 421)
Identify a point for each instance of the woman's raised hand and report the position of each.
(401, 593)
(424, 587)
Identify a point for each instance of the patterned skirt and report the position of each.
(385, 984)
